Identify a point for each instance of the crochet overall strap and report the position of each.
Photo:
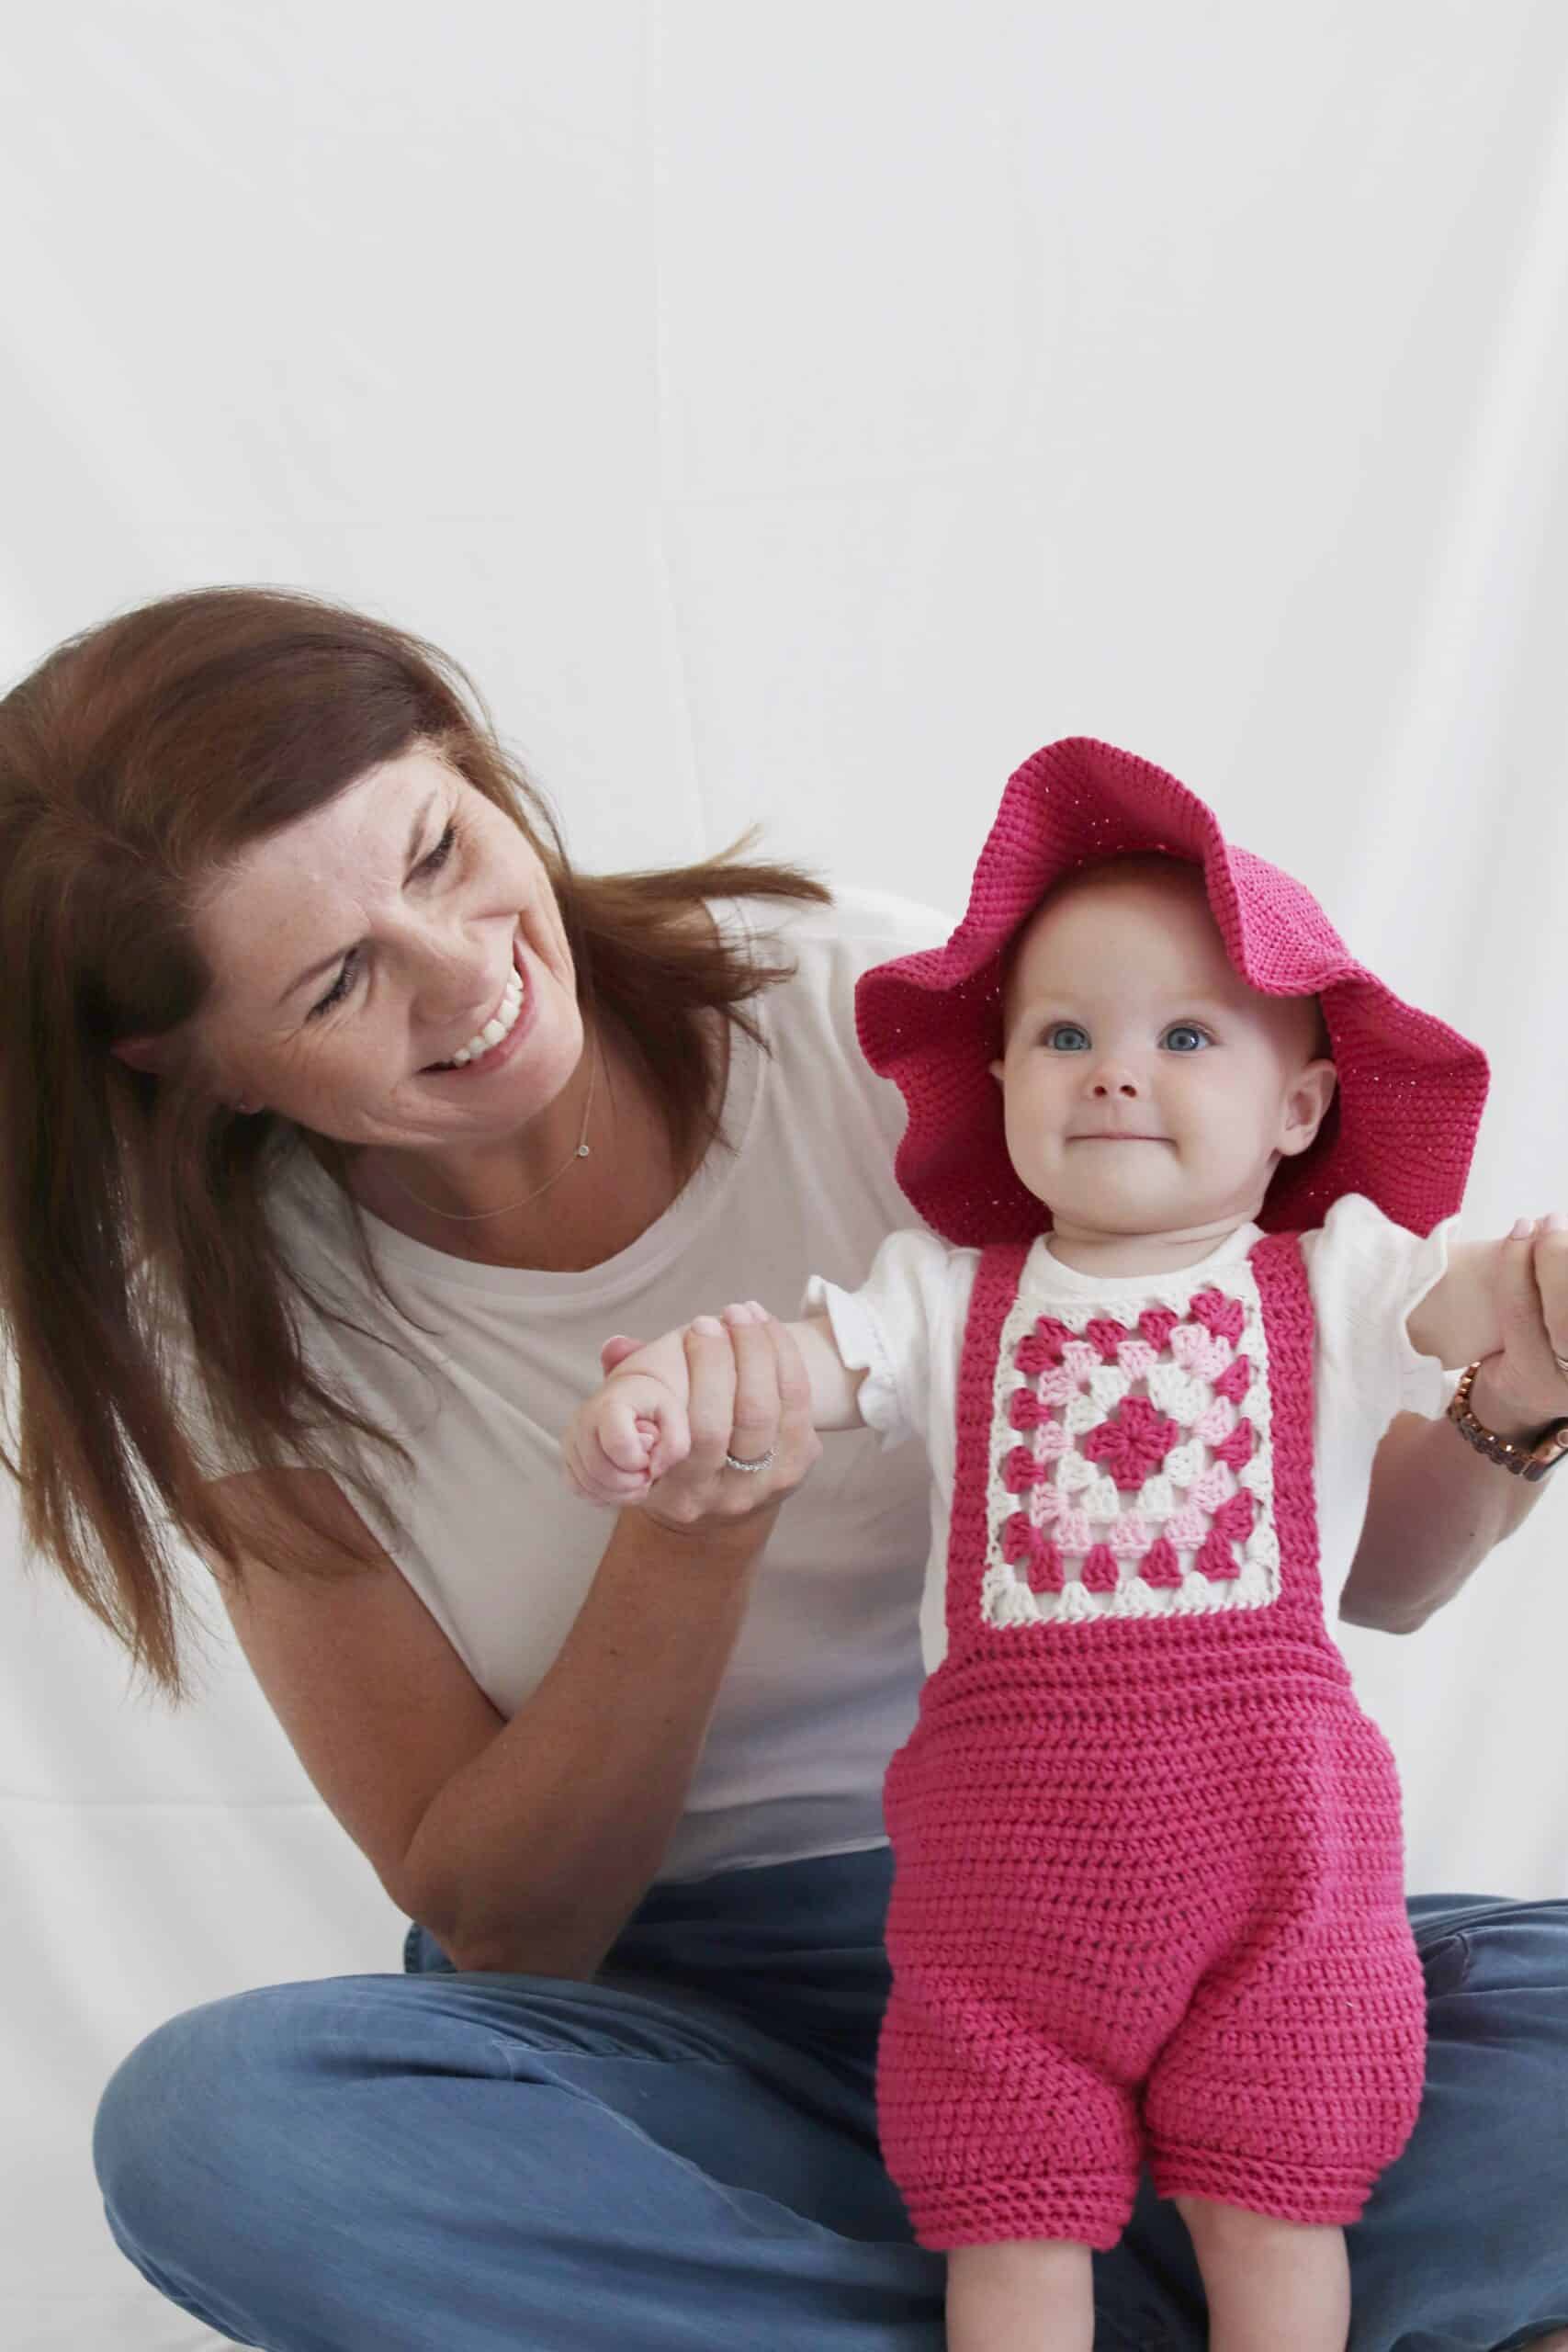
(996, 1287)
(1290, 1328)
(1252, 1581)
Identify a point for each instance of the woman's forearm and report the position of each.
(1436, 1509)
(534, 1855)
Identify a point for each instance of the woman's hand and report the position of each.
(1437, 1509)
(750, 1397)
(1522, 1385)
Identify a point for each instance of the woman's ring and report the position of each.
(751, 1467)
(1561, 1362)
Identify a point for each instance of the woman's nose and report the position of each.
(456, 978)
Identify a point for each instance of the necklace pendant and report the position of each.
(583, 1152)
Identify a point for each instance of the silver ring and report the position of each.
(1561, 1362)
(751, 1468)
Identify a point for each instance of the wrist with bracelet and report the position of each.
(1527, 1457)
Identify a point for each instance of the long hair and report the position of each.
(136, 1252)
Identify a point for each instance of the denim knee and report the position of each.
(185, 2109)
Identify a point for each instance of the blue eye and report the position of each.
(1186, 1037)
(1067, 1037)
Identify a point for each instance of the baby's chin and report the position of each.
(1110, 1216)
(1133, 1187)
(1115, 1202)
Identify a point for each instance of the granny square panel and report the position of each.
(1131, 1469)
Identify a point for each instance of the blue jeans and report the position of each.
(682, 2156)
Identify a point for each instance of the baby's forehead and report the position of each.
(1165, 896)
(1054, 950)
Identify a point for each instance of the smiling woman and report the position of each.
(272, 889)
(432, 918)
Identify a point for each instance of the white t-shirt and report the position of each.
(822, 1684)
(905, 1324)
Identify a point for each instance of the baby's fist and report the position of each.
(626, 1435)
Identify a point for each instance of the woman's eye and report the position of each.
(340, 987)
(1067, 1037)
(438, 857)
(1185, 1037)
(431, 863)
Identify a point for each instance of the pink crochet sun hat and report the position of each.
(1402, 1124)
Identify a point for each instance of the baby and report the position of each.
(1148, 1903)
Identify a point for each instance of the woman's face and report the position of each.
(357, 951)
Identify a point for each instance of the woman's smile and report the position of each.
(495, 1040)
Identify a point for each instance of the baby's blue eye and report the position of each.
(1185, 1037)
(1067, 1037)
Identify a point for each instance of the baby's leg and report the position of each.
(1034, 2295)
(1269, 2282)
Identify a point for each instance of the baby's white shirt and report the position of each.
(905, 1324)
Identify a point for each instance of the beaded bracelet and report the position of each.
(1532, 1461)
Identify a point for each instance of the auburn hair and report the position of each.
(135, 1250)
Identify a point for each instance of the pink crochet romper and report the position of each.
(1148, 1904)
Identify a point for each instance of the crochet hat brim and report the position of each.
(1410, 1090)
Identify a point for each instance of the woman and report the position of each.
(340, 1120)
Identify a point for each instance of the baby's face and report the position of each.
(1147, 1088)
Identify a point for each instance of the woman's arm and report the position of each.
(534, 1855)
(1437, 1508)
(526, 1845)
(1435, 1511)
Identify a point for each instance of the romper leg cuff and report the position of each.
(1329, 2195)
(1086, 2208)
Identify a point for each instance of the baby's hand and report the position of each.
(636, 1427)
(628, 1434)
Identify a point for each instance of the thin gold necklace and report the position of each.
(477, 1217)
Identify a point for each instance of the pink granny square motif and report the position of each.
(1130, 1465)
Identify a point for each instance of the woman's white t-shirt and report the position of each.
(822, 1683)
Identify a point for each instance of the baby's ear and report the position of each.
(996, 1068)
(1306, 1106)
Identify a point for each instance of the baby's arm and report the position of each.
(835, 1388)
(1459, 1320)
(635, 1428)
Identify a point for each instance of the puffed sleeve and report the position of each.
(895, 1326)
(1367, 1274)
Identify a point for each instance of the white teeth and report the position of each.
(497, 1026)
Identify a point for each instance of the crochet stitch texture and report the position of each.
(1148, 1903)
(1145, 1444)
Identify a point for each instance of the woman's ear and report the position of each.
(1306, 1106)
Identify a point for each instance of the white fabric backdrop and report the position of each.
(803, 414)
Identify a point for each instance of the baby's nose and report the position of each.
(1120, 1082)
